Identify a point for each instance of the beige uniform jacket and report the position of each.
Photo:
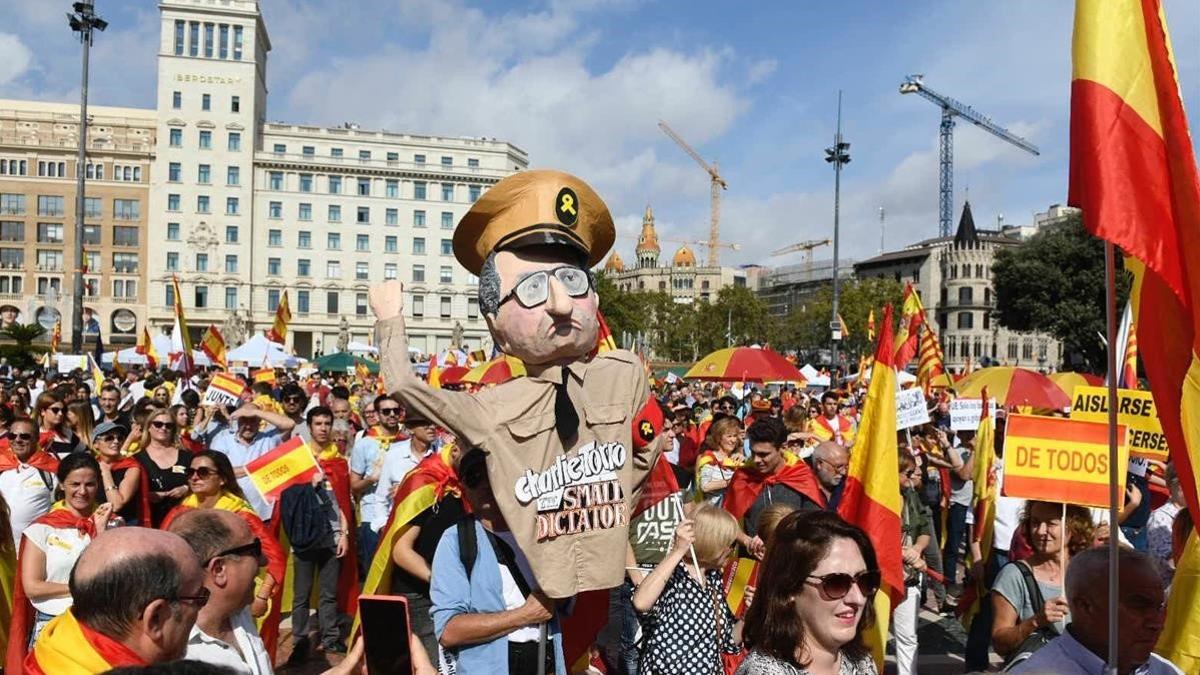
(568, 507)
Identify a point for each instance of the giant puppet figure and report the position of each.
(570, 445)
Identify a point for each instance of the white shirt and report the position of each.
(249, 656)
(511, 592)
(397, 462)
(62, 547)
(28, 497)
(1008, 513)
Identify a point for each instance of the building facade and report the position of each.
(38, 155)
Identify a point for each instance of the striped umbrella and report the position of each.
(454, 374)
(500, 369)
(1014, 387)
(1067, 381)
(744, 364)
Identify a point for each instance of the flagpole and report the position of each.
(1110, 311)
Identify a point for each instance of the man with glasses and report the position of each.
(366, 468)
(830, 461)
(137, 593)
(230, 555)
(27, 478)
(295, 401)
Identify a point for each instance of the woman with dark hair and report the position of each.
(182, 415)
(164, 462)
(54, 434)
(720, 455)
(81, 419)
(123, 480)
(813, 600)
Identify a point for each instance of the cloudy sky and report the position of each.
(581, 85)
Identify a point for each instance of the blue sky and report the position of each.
(581, 86)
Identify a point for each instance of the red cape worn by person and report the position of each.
(747, 483)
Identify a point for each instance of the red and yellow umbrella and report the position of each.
(1067, 381)
(454, 374)
(1014, 387)
(500, 369)
(744, 364)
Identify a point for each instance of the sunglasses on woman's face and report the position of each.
(835, 586)
(110, 438)
(202, 472)
(160, 424)
(56, 409)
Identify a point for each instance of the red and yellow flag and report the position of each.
(1129, 363)
(929, 363)
(604, 336)
(985, 510)
(871, 326)
(283, 316)
(434, 377)
(145, 347)
(213, 344)
(56, 336)
(912, 315)
(266, 374)
(184, 335)
(842, 326)
(1133, 172)
(287, 465)
(871, 497)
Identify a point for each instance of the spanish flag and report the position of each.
(1133, 172)
(985, 510)
(871, 326)
(434, 377)
(871, 497)
(145, 347)
(213, 344)
(283, 316)
(912, 315)
(184, 335)
(264, 375)
(604, 336)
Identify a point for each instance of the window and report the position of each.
(308, 150)
(208, 42)
(333, 241)
(202, 204)
(125, 263)
(445, 302)
(364, 215)
(231, 297)
(50, 206)
(206, 102)
(174, 172)
(445, 275)
(94, 171)
(306, 182)
(472, 163)
(418, 273)
(91, 235)
(333, 269)
(418, 305)
(275, 210)
(389, 245)
(335, 185)
(389, 271)
(418, 159)
(964, 295)
(979, 271)
(52, 169)
(418, 245)
(987, 320)
(447, 192)
(447, 247)
(235, 141)
(50, 233)
(193, 49)
(392, 158)
(273, 267)
(392, 189)
(172, 231)
(473, 193)
(302, 302)
(13, 167)
(1027, 350)
(233, 175)
(331, 302)
(179, 41)
(12, 205)
(223, 42)
(275, 180)
(364, 187)
(201, 262)
(231, 266)
(966, 320)
(123, 235)
(169, 294)
(49, 260)
(274, 237)
(335, 213)
(1012, 350)
(447, 161)
(305, 211)
(364, 155)
(362, 242)
(304, 239)
(361, 271)
(12, 231)
(201, 297)
(303, 267)
(237, 43)
(235, 104)
(419, 189)
(206, 140)
(336, 152)
(418, 218)
(173, 202)
(360, 304)
(279, 149)
(447, 220)
(125, 288)
(176, 136)
(272, 299)
(92, 206)
(391, 217)
(472, 303)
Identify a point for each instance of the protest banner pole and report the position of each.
(691, 549)
(1064, 536)
(1110, 304)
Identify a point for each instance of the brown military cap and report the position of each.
(541, 206)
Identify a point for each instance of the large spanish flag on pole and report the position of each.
(871, 498)
(1133, 172)
(184, 335)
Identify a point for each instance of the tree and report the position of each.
(806, 327)
(1054, 283)
(21, 354)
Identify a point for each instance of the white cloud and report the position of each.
(15, 58)
(761, 70)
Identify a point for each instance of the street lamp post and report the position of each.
(837, 156)
(83, 21)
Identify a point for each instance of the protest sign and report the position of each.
(965, 413)
(910, 408)
(289, 464)
(1061, 460)
(1135, 410)
(69, 362)
(223, 390)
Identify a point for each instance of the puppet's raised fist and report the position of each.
(387, 299)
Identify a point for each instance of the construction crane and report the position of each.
(951, 108)
(718, 184)
(691, 242)
(805, 246)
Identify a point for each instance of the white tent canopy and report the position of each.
(361, 348)
(903, 377)
(259, 350)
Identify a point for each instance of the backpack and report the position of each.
(305, 516)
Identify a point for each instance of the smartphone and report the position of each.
(385, 630)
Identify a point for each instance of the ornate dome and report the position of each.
(614, 264)
(684, 257)
(648, 240)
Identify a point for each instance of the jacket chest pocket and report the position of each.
(607, 414)
(528, 426)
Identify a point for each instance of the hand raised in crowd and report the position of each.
(685, 534)
(757, 547)
(538, 607)
(1100, 535)
(387, 299)
(101, 515)
(1133, 496)
(1053, 611)
(748, 596)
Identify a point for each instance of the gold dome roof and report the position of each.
(648, 240)
(684, 257)
(614, 264)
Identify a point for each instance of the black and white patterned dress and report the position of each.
(758, 663)
(679, 633)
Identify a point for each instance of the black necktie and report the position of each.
(566, 420)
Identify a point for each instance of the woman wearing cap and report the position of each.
(55, 435)
(813, 600)
(164, 462)
(122, 480)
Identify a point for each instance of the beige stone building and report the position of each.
(38, 154)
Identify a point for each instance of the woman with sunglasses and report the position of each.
(813, 600)
(164, 462)
(123, 482)
(183, 423)
(686, 624)
(55, 435)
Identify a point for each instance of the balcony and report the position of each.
(50, 267)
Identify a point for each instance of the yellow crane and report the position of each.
(718, 184)
(805, 246)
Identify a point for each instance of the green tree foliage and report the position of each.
(1054, 283)
(806, 327)
(22, 354)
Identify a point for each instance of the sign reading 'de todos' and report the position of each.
(1061, 460)
(910, 408)
(965, 413)
(1135, 409)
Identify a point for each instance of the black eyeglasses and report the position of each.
(159, 424)
(56, 409)
(254, 550)
(534, 289)
(293, 399)
(835, 586)
(388, 412)
(199, 600)
(21, 437)
(200, 471)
